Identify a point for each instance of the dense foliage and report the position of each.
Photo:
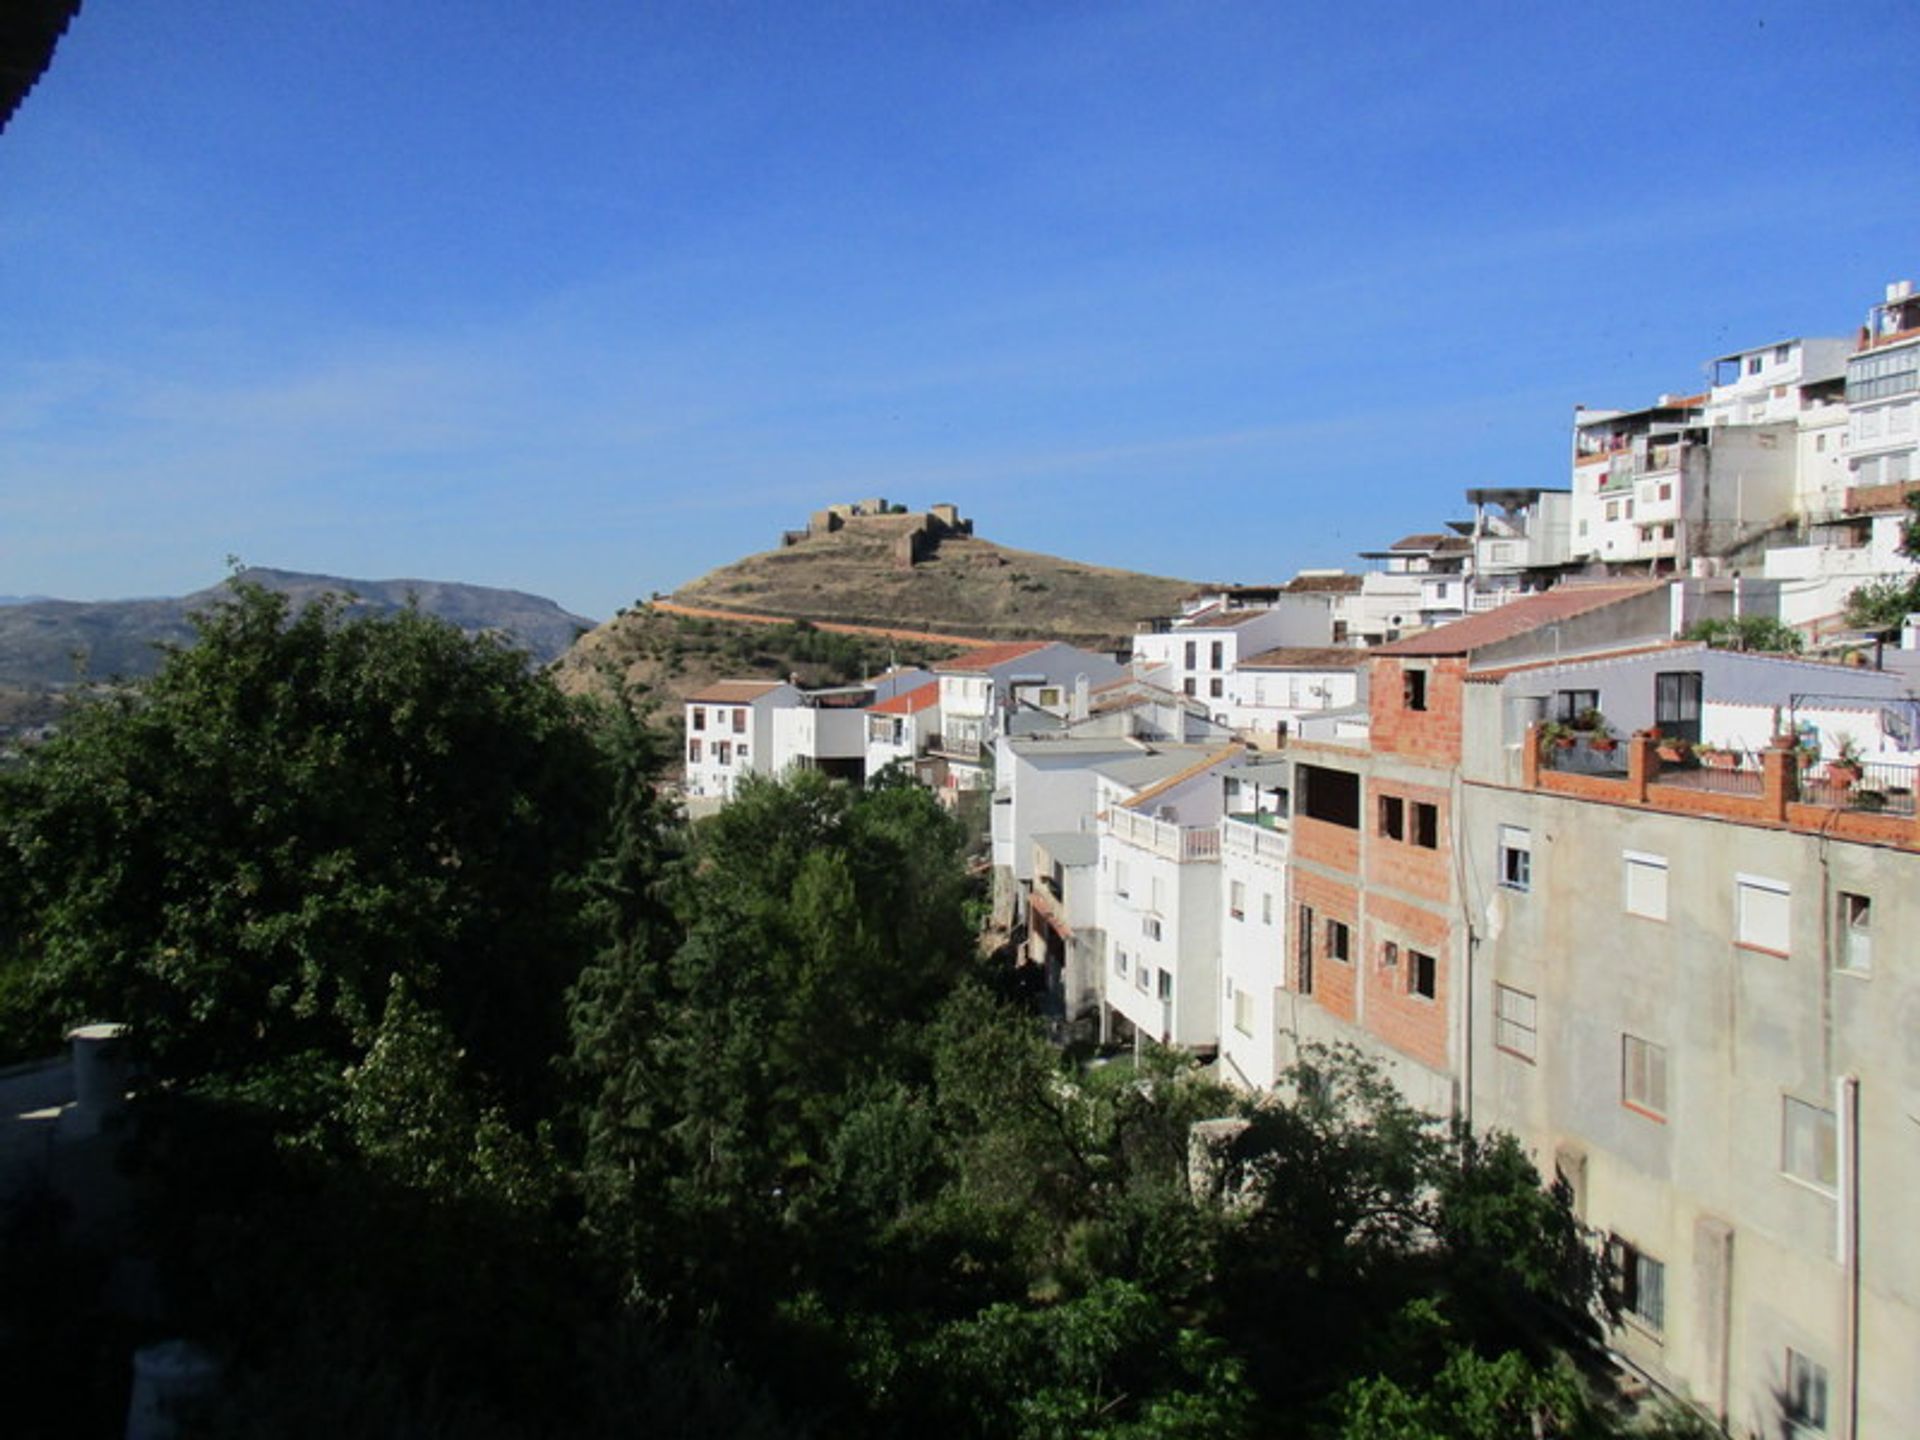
(1748, 632)
(490, 1101)
(1884, 604)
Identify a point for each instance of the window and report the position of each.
(1389, 955)
(739, 722)
(1120, 879)
(1754, 363)
(1646, 885)
(1422, 975)
(1237, 900)
(1050, 695)
(1666, 489)
(1642, 1281)
(1643, 1076)
(693, 751)
(1339, 938)
(1304, 946)
(1855, 950)
(1150, 927)
(1330, 795)
(1166, 985)
(1806, 1399)
(1189, 686)
(1243, 1011)
(1216, 687)
(1613, 510)
(1761, 914)
(1570, 705)
(1781, 354)
(1809, 1143)
(722, 752)
(1193, 654)
(1218, 655)
(1676, 703)
(1413, 689)
(1120, 963)
(1266, 907)
(1514, 1022)
(699, 717)
(1426, 825)
(1393, 817)
(1142, 977)
(1516, 858)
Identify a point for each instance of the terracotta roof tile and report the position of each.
(1307, 657)
(989, 656)
(910, 702)
(1517, 617)
(733, 692)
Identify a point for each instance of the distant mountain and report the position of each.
(54, 642)
(23, 599)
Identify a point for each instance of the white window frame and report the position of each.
(1809, 1143)
(1516, 1022)
(1763, 914)
(1237, 899)
(1643, 878)
(1804, 1396)
(1516, 843)
(1853, 954)
(1644, 1086)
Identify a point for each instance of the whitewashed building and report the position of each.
(1158, 904)
(1253, 922)
(1195, 653)
(729, 733)
(1271, 692)
(980, 689)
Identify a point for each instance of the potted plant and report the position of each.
(1845, 767)
(1602, 739)
(1673, 750)
(1590, 719)
(1555, 736)
(1718, 757)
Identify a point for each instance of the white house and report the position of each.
(1271, 691)
(1253, 920)
(1883, 393)
(900, 727)
(729, 733)
(1158, 904)
(1195, 653)
(978, 690)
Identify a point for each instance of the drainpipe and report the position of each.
(1847, 1109)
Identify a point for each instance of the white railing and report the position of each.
(1256, 842)
(1173, 842)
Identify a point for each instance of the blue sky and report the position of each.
(585, 299)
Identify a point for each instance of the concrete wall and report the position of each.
(1743, 1030)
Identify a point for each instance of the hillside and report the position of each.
(965, 585)
(50, 643)
(668, 657)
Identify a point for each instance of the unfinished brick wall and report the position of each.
(1412, 1024)
(1335, 982)
(1432, 733)
(1404, 864)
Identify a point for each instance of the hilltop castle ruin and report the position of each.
(915, 535)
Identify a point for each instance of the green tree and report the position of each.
(1748, 632)
(1884, 604)
(239, 856)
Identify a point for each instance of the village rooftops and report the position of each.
(1215, 756)
(1218, 617)
(910, 702)
(1418, 545)
(989, 657)
(1307, 657)
(1517, 617)
(733, 692)
(1325, 582)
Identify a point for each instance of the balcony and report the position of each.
(955, 747)
(1872, 801)
(1257, 837)
(1184, 843)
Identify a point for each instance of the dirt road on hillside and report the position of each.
(928, 637)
